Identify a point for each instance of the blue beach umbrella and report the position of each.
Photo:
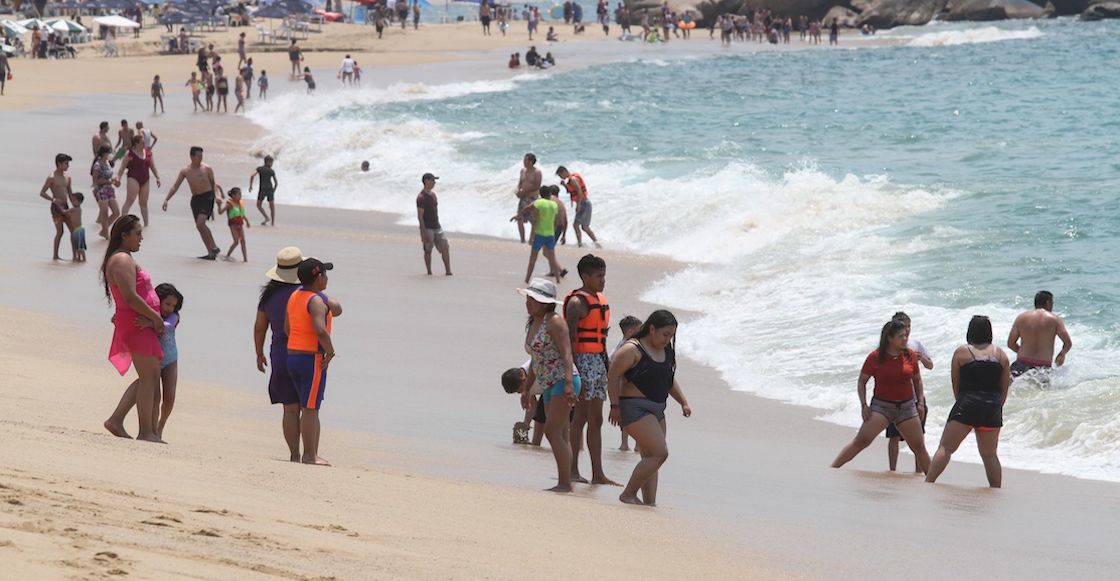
(177, 18)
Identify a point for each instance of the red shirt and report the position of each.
(893, 376)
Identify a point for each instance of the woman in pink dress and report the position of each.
(136, 326)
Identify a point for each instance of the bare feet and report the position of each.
(559, 488)
(150, 438)
(630, 499)
(295, 457)
(316, 461)
(579, 479)
(116, 429)
(604, 480)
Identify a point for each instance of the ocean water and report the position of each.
(811, 194)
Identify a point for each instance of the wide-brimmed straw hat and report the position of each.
(541, 290)
(287, 266)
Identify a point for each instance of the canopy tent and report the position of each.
(67, 26)
(116, 22)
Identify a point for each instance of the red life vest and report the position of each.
(591, 331)
(576, 187)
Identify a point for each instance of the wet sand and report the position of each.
(415, 413)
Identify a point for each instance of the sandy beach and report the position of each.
(426, 484)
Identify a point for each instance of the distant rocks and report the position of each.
(984, 10)
(1102, 11)
(891, 13)
(845, 17)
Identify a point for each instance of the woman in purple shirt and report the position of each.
(271, 312)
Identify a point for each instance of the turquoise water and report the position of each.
(813, 194)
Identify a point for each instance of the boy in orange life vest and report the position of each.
(310, 350)
(577, 189)
(588, 316)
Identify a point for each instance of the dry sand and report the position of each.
(426, 484)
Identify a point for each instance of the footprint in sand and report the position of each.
(206, 533)
(14, 502)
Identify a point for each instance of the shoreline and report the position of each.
(747, 474)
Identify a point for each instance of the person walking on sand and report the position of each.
(6, 70)
(234, 208)
(310, 350)
(157, 95)
(1032, 337)
(548, 344)
(892, 435)
(641, 379)
(528, 188)
(431, 233)
(140, 166)
(588, 315)
(104, 190)
(61, 196)
(150, 138)
(897, 398)
(577, 189)
(241, 58)
(137, 327)
(295, 56)
(981, 376)
(124, 139)
(272, 308)
(200, 179)
(544, 234)
(267, 190)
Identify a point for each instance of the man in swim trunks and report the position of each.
(1032, 337)
(61, 195)
(577, 189)
(200, 179)
(124, 139)
(267, 191)
(528, 189)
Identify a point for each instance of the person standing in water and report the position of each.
(981, 376)
(141, 167)
(266, 191)
(588, 315)
(548, 343)
(926, 360)
(1032, 337)
(200, 179)
(577, 189)
(310, 349)
(898, 396)
(130, 288)
(528, 188)
(641, 379)
(544, 234)
(61, 196)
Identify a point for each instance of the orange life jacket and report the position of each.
(591, 331)
(576, 187)
(301, 329)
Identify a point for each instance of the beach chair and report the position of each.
(263, 36)
(109, 49)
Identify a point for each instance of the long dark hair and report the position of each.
(121, 227)
(892, 328)
(166, 289)
(270, 288)
(657, 319)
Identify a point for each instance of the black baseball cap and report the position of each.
(428, 176)
(311, 268)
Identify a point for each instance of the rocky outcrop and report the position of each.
(1102, 11)
(860, 5)
(844, 17)
(891, 13)
(1070, 7)
(981, 10)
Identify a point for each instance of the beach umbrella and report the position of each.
(116, 22)
(13, 28)
(67, 26)
(177, 18)
(34, 23)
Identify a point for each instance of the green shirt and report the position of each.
(546, 217)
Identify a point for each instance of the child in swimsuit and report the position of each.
(513, 381)
(310, 80)
(235, 210)
(170, 303)
(77, 232)
(263, 84)
(196, 86)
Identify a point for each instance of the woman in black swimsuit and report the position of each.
(641, 378)
(981, 374)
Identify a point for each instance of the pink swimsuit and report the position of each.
(127, 337)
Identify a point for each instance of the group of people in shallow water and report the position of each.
(981, 376)
(571, 372)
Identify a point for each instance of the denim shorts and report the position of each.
(896, 412)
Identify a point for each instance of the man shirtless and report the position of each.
(1032, 337)
(200, 178)
(528, 188)
(102, 138)
(61, 196)
(124, 139)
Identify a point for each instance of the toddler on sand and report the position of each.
(235, 210)
(77, 232)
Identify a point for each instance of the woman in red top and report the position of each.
(898, 395)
